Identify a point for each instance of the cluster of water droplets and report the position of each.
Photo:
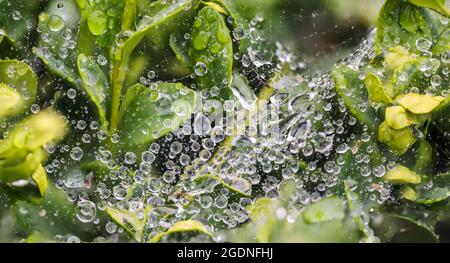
(306, 142)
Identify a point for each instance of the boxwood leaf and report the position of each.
(18, 87)
(437, 5)
(423, 160)
(40, 178)
(183, 226)
(147, 114)
(376, 90)
(419, 103)
(58, 41)
(401, 229)
(439, 190)
(16, 29)
(129, 221)
(355, 96)
(402, 175)
(96, 85)
(399, 141)
(211, 51)
(398, 118)
(127, 41)
(327, 209)
(21, 151)
(401, 22)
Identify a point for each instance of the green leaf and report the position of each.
(183, 226)
(397, 56)
(18, 87)
(401, 229)
(423, 157)
(356, 211)
(21, 151)
(127, 41)
(10, 101)
(327, 209)
(402, 175)
(55, 215)
(401, 23)
(260, 208)
(95, 84)
(208, 184)
(437, 192)
(355, 96)
(211, 51)
(376, 90)
(129, 221)
(437, 5)
(103, 19)
(58, 41)
(398, 141)
(442, 44)
(147, 114)
(180, 52)
(17, 31)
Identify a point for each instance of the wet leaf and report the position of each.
(398, 118)
(419, 103)
(147, 114)
(96, 85)
(355, 96)
(183, 226)
(401, 229)
(18, 87)
(437, 5)
(327, 209)
(435, 190)
(400, 22)
(402, 175)
(211, 51)
(376, 90)
(40, 177)
(398, 141)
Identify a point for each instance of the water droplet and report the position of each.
(71, 93)
(76, 153)
(423, 44)
(130, 158)
(16, 15)
(102, 60)
(97, 23)
(200, 69)
(202, 125)
(86, 211)
(299, 104)
(298, 132)
(56, 23)
(35, 108)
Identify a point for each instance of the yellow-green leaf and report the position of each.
(419, 103)
(40, 178)
(408, 193)
(10, 100)
(398, 141)
(397, 56)
(402, 175)
(128, 221)
(398, 118)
